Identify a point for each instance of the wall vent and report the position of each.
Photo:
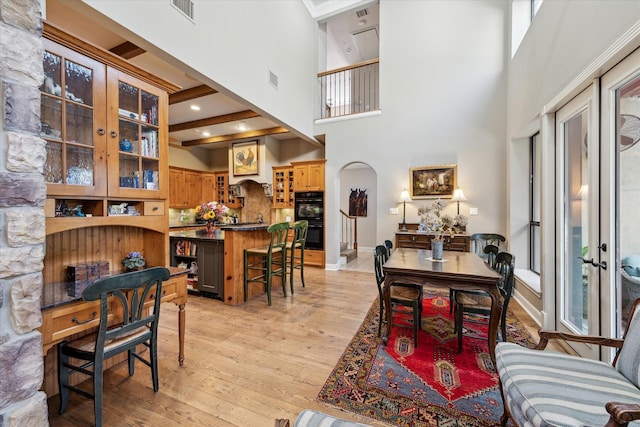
(362, 13)
(184, 6)
(273, 79)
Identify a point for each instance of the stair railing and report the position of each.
(349, 231)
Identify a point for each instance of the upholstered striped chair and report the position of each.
(547, 388)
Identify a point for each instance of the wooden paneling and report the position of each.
(234, 244)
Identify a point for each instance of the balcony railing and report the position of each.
(349, 90)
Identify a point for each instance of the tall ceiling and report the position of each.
(222, 119)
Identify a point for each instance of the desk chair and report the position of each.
(272, 260)
(478, 302)
(300, 229)
(127, 293)
(404, 294)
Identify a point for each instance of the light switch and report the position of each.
(393, 211)
(473, 211)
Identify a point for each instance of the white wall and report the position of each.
(442, 96)
(233, 45)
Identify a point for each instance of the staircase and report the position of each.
(349, 237)
(345, 251)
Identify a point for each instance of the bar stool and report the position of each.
(297, 243)
(272, 262)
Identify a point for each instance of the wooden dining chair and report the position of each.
(402, 294)
(479, 303)
(480, 240)
(139, 326)
(490, 253)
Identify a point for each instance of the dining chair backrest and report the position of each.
(380, 256)
(491, 252)
(389, 245)
(505, 265)
(481, 240)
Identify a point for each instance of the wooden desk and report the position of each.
(64, 315)
(463, 269)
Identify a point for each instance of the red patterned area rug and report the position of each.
(429, 385)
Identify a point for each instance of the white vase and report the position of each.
(437, 247)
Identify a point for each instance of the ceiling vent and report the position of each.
(184, 6)
(362, 13)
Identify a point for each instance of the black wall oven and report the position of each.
(309, 206)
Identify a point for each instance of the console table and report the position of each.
(412, 239)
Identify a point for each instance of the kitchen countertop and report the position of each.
(218, 233)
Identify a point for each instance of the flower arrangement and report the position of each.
(433, 221)
(133, 261)
(212, 212)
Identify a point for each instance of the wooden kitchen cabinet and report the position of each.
(223, 194)
(208, 181)
(185, 188)
(308, 175)
(283, 189)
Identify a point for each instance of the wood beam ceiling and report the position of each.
(127, 50)
(235, 136)
(217, 120)
(192, 93)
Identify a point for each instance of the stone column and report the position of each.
(22, 223)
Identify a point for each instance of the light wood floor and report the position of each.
(244, 365)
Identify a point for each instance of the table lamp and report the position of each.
(404, 198)
(458, 196)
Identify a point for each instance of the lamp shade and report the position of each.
(458, 196)
(404, 196)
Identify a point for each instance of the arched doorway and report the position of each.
(358, 198)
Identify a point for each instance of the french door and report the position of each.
(620, 99)
(579, 261)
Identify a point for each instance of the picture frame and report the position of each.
(433, 182)
(245, 158)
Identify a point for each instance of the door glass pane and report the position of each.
(78, 83)
(50, 117)
(53, 166)
(79, 124)
(128, 101)
(79, 165)
(149, 108)
(575, 292)
(627, 136)
(149, 142)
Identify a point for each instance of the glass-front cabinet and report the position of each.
(73, 121)
(135, 134)
(105, 130)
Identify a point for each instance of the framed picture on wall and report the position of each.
(245, 158)
(431, 182)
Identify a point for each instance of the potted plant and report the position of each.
(133, 261)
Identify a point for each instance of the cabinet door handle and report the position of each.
(101, 131)
(113, 134)
(82, 322)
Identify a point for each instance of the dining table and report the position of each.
(463, 270)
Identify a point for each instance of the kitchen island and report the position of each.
(220, 258)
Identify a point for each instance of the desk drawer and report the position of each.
(458, 244)
(153, 208)
(74, 318)
(169, 292)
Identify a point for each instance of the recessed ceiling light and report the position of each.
(205, 133)
(195, 108)
(362, 22)
(242, 126)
